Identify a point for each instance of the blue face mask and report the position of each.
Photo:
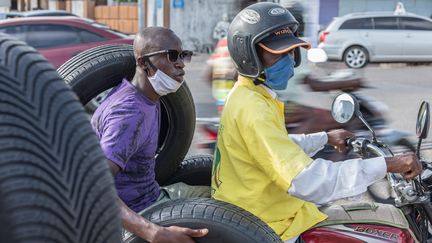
(278, 74)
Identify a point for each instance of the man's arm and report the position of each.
(310, 143)
(324, 181)
(146, 230)
(314, 142)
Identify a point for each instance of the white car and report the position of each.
(360, 38)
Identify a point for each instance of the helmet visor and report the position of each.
(282, 41)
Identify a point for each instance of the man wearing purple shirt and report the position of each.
(127, 124)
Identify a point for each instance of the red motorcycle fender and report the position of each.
(357, 233)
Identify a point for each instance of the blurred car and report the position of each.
(360, 38)
(60, 38)
(36, 13)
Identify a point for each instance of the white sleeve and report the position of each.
(324, 181)
(310, 143)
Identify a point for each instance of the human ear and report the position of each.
(142, 62)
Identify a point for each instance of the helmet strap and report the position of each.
(260, 79)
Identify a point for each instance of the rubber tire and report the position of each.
(225, 222)
(356, 47)
(5, 229)
(195, 170)
(113, 62)
(56, 185)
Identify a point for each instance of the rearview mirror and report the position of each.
(316, 55)
(343, 108)
(423, 120)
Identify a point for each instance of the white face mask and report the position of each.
(164, 84)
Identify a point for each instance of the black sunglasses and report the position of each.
(173, 55)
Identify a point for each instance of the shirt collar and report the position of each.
(270, 91)
(264, 90)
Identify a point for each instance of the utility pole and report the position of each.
(141, 14)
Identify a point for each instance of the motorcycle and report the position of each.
(407, 215)
(341, 80)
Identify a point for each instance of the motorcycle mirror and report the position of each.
(316, 55)
(423, 120)
(343, 108)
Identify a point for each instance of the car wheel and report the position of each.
(92, 72)
(356, 57)
(55, 184)
(195, 170)
(225, 222)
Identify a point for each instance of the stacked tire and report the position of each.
(225, 222)
(55, 185)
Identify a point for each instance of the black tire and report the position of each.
(56, 185)
(356, 57)
(98, 69)
(5, 229)
(225, 222)
(195, 170)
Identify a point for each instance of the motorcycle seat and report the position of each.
(364, 212)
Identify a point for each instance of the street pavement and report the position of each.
(401, 87)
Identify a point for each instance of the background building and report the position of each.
(194, 20)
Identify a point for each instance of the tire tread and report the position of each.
(213, 211)
(37, 111)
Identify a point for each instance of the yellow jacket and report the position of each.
(256, 161)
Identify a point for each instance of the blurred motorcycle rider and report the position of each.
(259, 167)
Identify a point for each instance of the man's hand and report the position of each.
(338, 138)
(407, 165)
(174, 234)
(154, 233)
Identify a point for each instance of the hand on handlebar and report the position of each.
(406, 164)
(338, 138)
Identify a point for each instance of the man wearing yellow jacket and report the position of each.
(257, 165)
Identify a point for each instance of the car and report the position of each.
(359, 38)
(36, 13)
(61, 38)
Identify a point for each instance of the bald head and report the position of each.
(152, 39)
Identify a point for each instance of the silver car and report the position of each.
(360, 38)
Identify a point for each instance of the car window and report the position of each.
(385, 23)
(354, 24)
(17, 31)
(51, 35)
(409, 23)
(89, 37)
(108, 29)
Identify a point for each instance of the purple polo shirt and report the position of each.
(127, 124)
